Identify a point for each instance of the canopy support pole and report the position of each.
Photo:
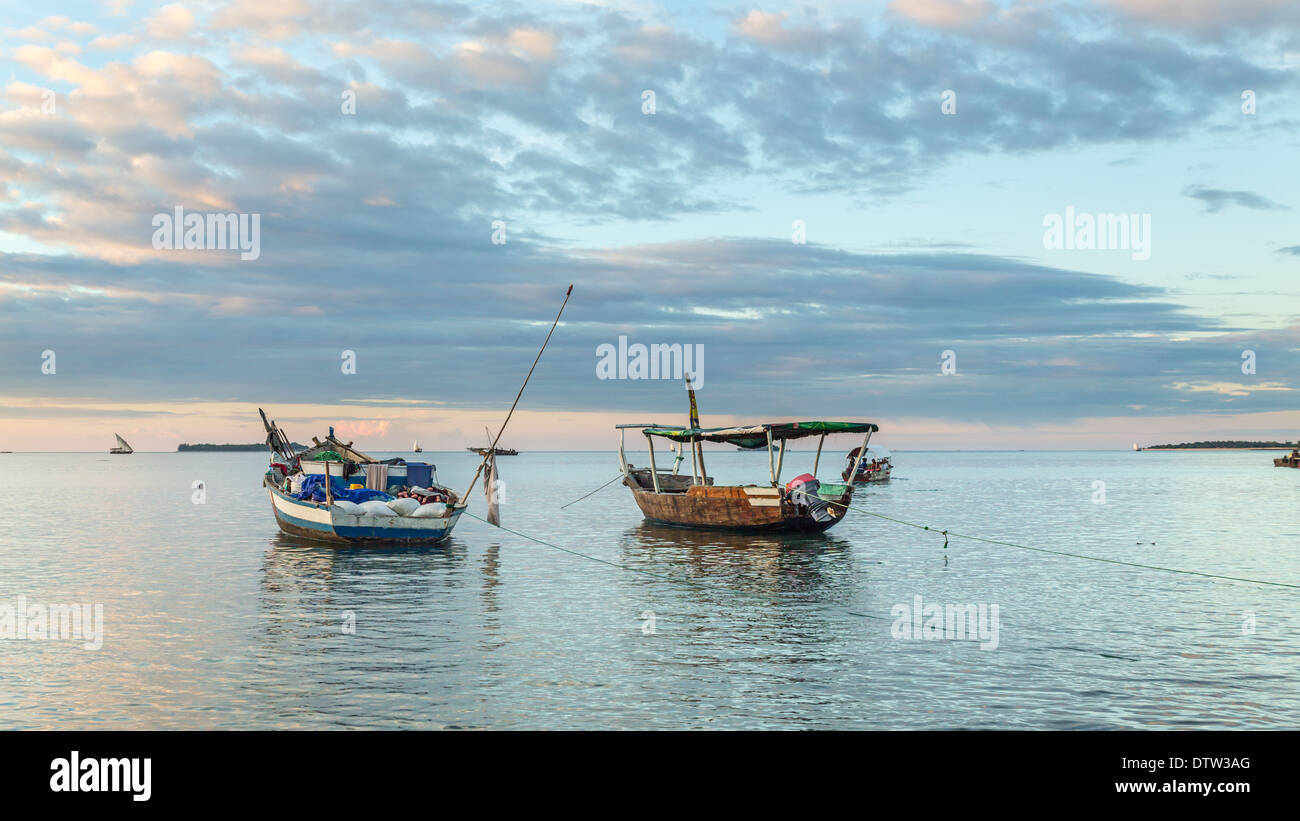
(818, 459)
(654, 472)
(329, 493)
(771, 468)
(862, 454)
(780, 460)
(695, 465)
(622, 454)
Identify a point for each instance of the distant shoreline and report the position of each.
(1223, 445)
(186, 446)
(1175, 447)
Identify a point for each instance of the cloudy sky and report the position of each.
(826, 197)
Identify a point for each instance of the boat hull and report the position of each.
(1286, 462)
(736, 509)
(309, 520)
(866, 478)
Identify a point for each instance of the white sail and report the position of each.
(121, 443)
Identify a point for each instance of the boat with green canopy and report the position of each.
(803, 505)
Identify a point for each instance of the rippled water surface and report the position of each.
(212, 619)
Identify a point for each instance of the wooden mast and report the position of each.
(697, 446)
(491, 450)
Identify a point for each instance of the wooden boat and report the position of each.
(1291, 460)
(494, 451)
(803, 505)
(324, 520)
(122, 447)
(876, 467)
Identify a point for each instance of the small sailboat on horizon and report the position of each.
(415, 447)
(122, 446)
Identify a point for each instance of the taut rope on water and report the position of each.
(947, 534)
(955, 535)
(594, 492)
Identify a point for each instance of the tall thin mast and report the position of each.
(697, 447)
(491, 450)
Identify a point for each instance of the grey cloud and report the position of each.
(1216, 199)
(862, 332)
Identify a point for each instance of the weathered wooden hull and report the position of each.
(309, 520)
(749, 509)
(1286, 462)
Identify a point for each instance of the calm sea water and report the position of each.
(212, 619)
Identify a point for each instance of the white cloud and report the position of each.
(946, 14)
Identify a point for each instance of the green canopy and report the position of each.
(755, 436)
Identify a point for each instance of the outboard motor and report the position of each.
(802, 491)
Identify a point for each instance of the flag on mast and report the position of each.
(695, 410)
(490, 485)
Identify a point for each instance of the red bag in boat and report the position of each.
(804, 481)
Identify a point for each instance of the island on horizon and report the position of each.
(205, 446)
(1229, 444)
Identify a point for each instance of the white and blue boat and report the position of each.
(329, 522)
(327, 507)
(332, 492)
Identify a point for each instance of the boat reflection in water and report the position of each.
(821, 564)
(332, 621)
(308, 586)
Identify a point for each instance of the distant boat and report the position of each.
(496, 451)
(122, 446)
(875, 465)
(1135, 446)
(1291, 460)
(416, 447)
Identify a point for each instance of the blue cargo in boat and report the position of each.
(419, 474)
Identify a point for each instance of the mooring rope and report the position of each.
(956, 535)
(594, 492)
(767, 597)
(952, 533)
(771, 597)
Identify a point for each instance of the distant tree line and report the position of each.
(184, 446)
(1220, 443)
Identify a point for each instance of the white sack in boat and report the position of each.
(347, 507)
(433, 510)
(374, 507)
(404, 507)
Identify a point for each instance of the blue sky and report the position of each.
(924, 229)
